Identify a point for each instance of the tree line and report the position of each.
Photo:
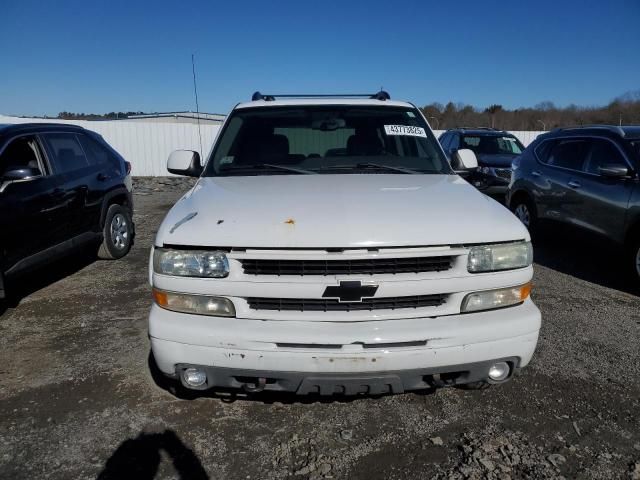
(623, 110)
(96, 116)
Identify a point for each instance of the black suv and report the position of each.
(585, 177)
(61, 187)
(494, 149)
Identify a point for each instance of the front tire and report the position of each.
(117, 233)
(633, 259)
(524, 209)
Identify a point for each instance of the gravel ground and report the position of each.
(79, 400)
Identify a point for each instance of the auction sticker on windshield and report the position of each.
(405, 130)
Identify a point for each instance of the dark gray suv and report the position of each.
(585, 177)
(494, 149)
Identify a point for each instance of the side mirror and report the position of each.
(614, 170)
(16, 174)
(184, 162)
(465, 159)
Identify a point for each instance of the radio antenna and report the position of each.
(195, 92)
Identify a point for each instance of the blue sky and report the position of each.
(102, 56)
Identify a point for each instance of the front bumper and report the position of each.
(306, 356)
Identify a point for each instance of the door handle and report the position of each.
(102, 177)
(535, 173)
(574, 184)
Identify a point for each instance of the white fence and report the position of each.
(148, 145)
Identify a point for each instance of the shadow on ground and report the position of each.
(29, 282)
(583, 256)
(139, 458)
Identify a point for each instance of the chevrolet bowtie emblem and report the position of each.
(350, 291)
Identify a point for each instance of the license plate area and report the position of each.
(340, 385)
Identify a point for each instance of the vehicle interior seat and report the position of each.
(364, 142)
(273, 148)
(488, 146)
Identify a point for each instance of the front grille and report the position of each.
(347, 267)
(332, 305)
(503, 173)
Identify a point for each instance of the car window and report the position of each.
(97, 154)
(21, 152)
(602, 152)
(65, 152)
(326, 139)
(492, 144)
(543, 149)
(570, 154)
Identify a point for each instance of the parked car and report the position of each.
(328, 247)
(585, 177)
(61, 187)
(495, 151)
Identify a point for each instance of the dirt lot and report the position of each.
(78, 399)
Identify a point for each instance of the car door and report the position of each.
(69, 160)
(557, 179)
(31, 212)
(604, 200)
(107, 174)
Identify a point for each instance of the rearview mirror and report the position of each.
(465, 159)
(184, 162)
(614, 170)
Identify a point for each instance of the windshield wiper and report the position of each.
(266, 166)
(388, 167)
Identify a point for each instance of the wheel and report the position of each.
(524, 209)
(117, 233)
(633, 259)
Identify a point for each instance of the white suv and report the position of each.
(327, 247)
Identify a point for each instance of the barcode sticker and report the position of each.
(405, 130)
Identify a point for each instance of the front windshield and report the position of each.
(326, 139)
(492, 144)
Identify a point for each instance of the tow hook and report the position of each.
(255, 387)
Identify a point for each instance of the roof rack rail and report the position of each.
(480, 128)
(612, 128)
(381, 95)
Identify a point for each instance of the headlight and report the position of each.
(190, 263)
(491, 299)
(503, 256)
(198, 304)
(486, 170)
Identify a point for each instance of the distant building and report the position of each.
(179, 117)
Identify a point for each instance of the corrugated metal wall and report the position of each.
(148, 145)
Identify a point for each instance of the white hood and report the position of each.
(348, 211)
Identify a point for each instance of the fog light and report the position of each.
(194, 377)
(499, 371)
